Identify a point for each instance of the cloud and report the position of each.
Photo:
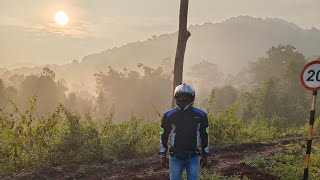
(133, 28)
(76, 30)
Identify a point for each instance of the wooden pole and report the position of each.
(183, 36)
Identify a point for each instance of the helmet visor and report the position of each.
(183, 100)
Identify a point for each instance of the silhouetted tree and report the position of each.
(221, 98)
(205, 76)
(48, 92)
(6, 93)
(133, 92)
(279, 93)
(183, 36)
(79, 103)
(276, 64)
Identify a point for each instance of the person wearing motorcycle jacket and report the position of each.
(186, 128)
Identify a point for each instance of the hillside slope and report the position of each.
(229, 44)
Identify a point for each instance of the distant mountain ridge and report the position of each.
(230, 44)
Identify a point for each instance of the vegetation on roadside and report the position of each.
(287, 162)
(66, 137)
(274, 106)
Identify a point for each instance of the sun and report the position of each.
(61, 18)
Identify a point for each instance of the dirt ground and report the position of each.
(225, 161)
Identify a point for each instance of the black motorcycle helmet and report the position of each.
(184, 96)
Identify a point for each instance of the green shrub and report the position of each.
(287, 163)
(258, 130)
(79, 142)
(130, 138)
(226, 128)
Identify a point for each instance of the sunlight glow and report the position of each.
(61, 18)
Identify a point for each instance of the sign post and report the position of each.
(310, 79)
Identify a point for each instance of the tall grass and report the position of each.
(29, 141)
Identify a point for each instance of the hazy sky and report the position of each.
(29, 34)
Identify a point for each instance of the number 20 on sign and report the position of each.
(310, 79)
(310, 76)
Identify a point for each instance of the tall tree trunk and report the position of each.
(183, 36)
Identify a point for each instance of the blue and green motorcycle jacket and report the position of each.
(188, 131)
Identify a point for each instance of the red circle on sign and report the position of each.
(302, 72)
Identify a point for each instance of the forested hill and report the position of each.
(229, 44)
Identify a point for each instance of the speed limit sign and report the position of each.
(310, 76)
(310, 79)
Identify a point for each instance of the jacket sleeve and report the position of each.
(204, 135)
(165, 129)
